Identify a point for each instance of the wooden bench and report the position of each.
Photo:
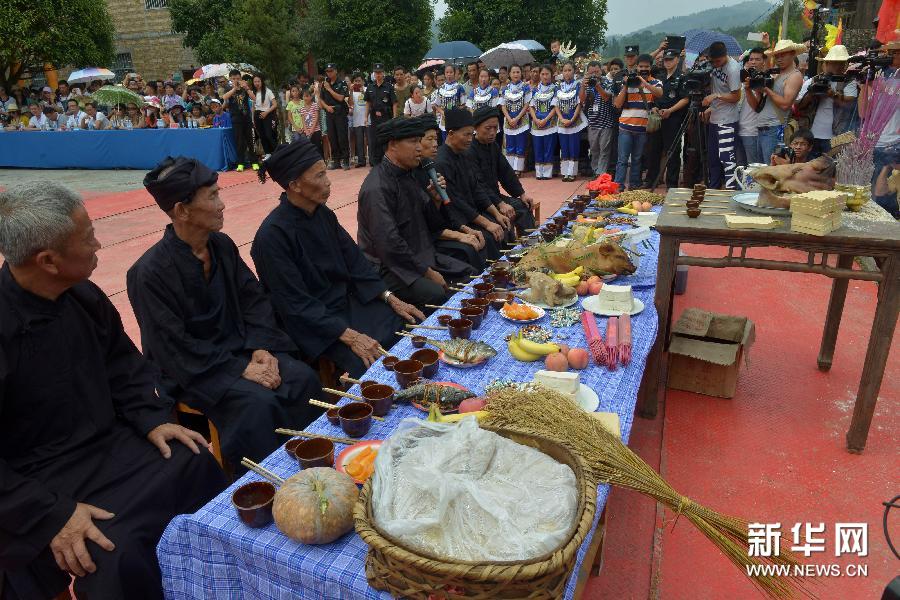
(182, 408)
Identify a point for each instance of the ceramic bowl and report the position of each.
(408, 372)
(418, 341)
(483, 289)
(474, 314)
(380, 397)
(388, 362)
(315, 452)
(253, 502)
(332, 415)
(356, 418)
(460, 328)
(429, 360)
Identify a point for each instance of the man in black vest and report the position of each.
(333, 100)
(380, 100)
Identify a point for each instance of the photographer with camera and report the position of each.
(828, 100)
(634, 99)
(797, 152)
(722, 115)
(596, 97)
(671, 109)
(754, 77)
(778, 96)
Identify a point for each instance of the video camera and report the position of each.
(759, 79)
(821, 83)
(866, 66)
(697, 79)
(783, 151)
(592, 82)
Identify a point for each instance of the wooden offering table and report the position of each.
(869, 233)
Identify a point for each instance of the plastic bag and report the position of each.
(461, 492)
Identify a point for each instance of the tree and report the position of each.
(264, 33)
(201, 23)
(487, 23)
(75, 32)
(355, 34)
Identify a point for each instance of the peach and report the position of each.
(578, 358)
(595, 287)
(556, 362)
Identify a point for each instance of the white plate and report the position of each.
(748, 200)
(591, 303)
(540, 311)
(563, 305)
(587, 399)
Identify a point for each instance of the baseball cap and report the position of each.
(671, 53)
(330, 66)
(47, 88)
(632, 50)
(378, 67)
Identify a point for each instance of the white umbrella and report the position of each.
(532, 45)
(507, 54)
(90, 74)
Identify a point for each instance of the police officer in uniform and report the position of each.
(671, 107)
(333, 100)
(380, 100)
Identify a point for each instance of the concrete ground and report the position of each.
(773, 453)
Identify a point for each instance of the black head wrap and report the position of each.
(484, 113)
(177, 179)
(290, 161)
(457, 118)
(399, 128)
(428, 122)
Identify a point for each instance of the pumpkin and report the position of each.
(315, 506)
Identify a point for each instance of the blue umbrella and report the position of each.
(698, 40)
(453, 51)
(531, 45)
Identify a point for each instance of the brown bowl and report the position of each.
(594, 193)
(429, 360)
(332, 415)
(481, 303)
(500, 265)
(560, 221)
(473, 314)
(569, 214)
(548, 234)
(315, 452)
(460, 328)
(487, 278)
(408, 372)
(501, 278)
(380, 397)
(291, 445)
(356, 418)
(580, 205)
(388, 362)
(444, 319)
(483, 289)
(418, 341)
(253, 502)
(498, 299)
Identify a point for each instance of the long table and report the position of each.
(115, 149)
(211, 554)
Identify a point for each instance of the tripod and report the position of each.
(693, 117)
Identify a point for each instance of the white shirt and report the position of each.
(98, 119)
(411, 109)
(358, 118)
(749, 118)
(74, 121)
(822, 122)
(40, 122)
(724, 81)
(264, 100)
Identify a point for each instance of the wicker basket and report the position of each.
(405, 574)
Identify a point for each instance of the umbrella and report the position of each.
(428, 64)
(507, 54)
(531, 45)
(454, 51)
(697, 40)
(90, 74)
(111, 95)
(222, 70)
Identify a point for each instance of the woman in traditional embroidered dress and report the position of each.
(543, 124)
(514, 104)
(449, 96)
(483, 94)
(571, 122)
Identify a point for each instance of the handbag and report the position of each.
(654, 121)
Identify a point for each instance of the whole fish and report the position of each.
(466, 351)
(425, 393)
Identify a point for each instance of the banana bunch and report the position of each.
(435, 416)
(525, 350)
(571, 278)
(626, 210)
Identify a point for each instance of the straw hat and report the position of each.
(12, 106)
(892, 45)
(786, 46)
(837, 53)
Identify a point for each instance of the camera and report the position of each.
(758, 79)
(631, 78)
(866, 66)
(783, 151)
(592, 82)
(822, 82)
(697, 78)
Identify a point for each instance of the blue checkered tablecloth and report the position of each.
(211, 554)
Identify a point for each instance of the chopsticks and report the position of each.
(404, 334)
(383, 352)
(435, 327)
(443, 307)
(262, 472)
(342, 394)
(346, 378)
(321, 404)
(306, 434)
(456, 289)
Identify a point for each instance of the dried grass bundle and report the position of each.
(543, 412)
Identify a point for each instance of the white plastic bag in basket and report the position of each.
(461, 492)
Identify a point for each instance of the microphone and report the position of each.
(428, 165)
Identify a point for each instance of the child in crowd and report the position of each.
(358, 118)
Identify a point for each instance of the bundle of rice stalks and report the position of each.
(540, 411)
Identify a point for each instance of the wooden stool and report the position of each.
(536, 211)
(181, 407)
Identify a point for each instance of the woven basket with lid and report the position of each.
(406, 574)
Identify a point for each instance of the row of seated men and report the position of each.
(92, 468)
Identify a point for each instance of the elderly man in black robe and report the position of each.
(89, 476)
(470, 202)
(460, 242)
(393, 221)
(493, 170)
(207, 324)
(327, 296)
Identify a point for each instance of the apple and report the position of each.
(471, 405)
(556, 362)
(594, 288)
(582, 288)
(578, 358)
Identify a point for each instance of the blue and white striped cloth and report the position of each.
(211, 554)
